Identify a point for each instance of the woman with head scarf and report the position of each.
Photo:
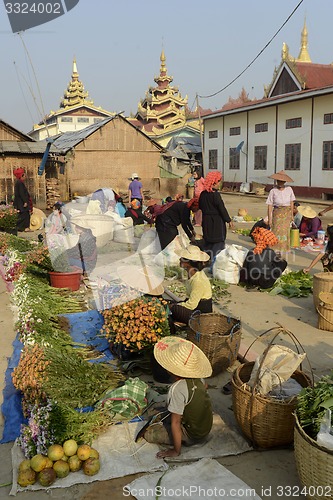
(280, 203)
(22, 200)
(188, 418)
(167, 218)
(135, 212)
(214, 215)
(262, 266)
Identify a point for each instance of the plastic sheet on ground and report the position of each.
(204, 479)
(119, 457)
(84, 329)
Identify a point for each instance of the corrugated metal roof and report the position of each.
(23, 147)
(69, 140)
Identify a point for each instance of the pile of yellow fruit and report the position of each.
(59, 462)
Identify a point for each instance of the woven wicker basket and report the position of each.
(314, 465)
(265, 421)
(325, 311)
(322, 282)
(218, 336)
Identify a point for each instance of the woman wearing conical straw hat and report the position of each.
(189, 415)
(310, 222)
(280, 203)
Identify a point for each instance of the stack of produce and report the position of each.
(59, 461)
(138, 324)
(55, 376)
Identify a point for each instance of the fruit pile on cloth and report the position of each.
(119, 456)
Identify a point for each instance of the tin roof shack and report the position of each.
(19, 150)
(106, 153)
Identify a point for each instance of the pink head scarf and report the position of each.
(211, 179)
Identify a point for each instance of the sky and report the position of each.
(117, 46)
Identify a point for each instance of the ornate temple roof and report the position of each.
(163, 108)
(296, 74)
(75, 93)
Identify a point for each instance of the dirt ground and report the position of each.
(262, 470)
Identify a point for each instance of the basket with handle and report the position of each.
(218, 336)
(322, 282)
(325, 311)
(314, 464)
(267, 422)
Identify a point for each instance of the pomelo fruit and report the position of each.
(83, 452)
(47, 476)
(74, 463)
(38, 462)
(91, 466)
(70, 447)
(93, 453)
(61, 468)
(55, 452)
(49, 463)
(24, 465)
(26, 477)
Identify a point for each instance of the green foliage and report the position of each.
(312, 403)
(8, 217)
(293, 284)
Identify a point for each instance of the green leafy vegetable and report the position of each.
(293, 284)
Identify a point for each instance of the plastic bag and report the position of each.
(324, 436)
(228, 263)
(278, 366)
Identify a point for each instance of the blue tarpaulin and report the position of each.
(84, 329)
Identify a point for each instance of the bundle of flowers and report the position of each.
(8, 217)
(12, 242)
(138, 324)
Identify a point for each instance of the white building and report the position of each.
(76, 112)
(290, 129)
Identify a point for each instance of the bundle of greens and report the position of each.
(312, 403)
(293, 284)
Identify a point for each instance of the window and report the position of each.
(235, 131)
(328, 155)
(66, 119)
(294, 123)
(212, 134)
(261, 127)
(260, 157)
(292, 159)
(212, 159)
(328, 118)
(96, 120)
(83, 119)
(234, 157)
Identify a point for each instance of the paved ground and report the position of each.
(258, 311)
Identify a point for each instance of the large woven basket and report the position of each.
(314, 465)
(218, 336)
(322, 282)
(325, 311)
(267, 422)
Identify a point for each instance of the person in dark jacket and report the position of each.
(214, 215)
(262, 266)
(135, 212)
(168, 217)
(22, 200)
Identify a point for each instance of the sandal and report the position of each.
(227, 388)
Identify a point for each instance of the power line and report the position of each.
(256, 57)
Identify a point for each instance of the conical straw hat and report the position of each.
(182, 358)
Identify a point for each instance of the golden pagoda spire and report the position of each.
(75, 93)
(163, 68)
(303, 53)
